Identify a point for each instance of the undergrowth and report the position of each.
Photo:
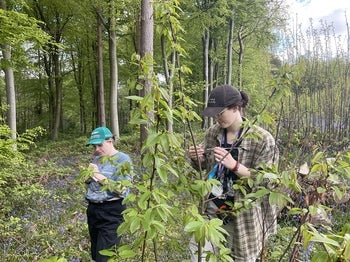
(43, 212)
(43, 209)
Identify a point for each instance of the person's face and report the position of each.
(226, 117)
(102, 149)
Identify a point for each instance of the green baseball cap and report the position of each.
(99, 135)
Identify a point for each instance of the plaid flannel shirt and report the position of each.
(254, 225)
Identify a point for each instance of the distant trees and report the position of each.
(318, 108)
(16, 29)
(95, 51)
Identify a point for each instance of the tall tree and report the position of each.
(101, 113)
(146, 53)
(55, 16)
(113, 70)
(9, 83)
(16, 29)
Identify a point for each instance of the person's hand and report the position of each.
(192, 152)
(223, 157)
(98, 177)
(94, 167)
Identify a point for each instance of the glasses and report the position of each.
(220, 114)
(99, 145)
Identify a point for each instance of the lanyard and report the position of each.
(225, 145)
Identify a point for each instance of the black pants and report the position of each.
(103, 222)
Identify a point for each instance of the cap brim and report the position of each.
(212, 111)
(95, 142)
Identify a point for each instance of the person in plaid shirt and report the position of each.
(232, 150)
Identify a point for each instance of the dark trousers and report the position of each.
(103, 222)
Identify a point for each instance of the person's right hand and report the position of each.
(192, 152)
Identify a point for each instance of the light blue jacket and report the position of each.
(110, 168)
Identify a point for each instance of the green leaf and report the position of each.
(158, 226)
(346, 243)
(162, 172)
(259, 193)
(325, 240)
(135, 225)
(320, 256)
(142, 203)
(338, 193)
(313, 210)
(193, 226)
(277, 199)
(321, 190)
(295, 211)
(135, 98)
(127, 254)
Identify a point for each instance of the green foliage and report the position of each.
(53, 259)
(306, 231)
(12, 158)
(43, 214)
(8, 155)
(18, 30)
(40, 214)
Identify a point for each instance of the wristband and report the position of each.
(235, 168)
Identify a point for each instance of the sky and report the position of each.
(322, 12)
(330, 11)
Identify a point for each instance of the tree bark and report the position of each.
(113, 71)
(101, 114)
(10, 91)
(146, 52)
(240, 58)
(205, 42)
(10, 84)
(229, 53)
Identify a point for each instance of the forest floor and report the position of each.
(46, 215)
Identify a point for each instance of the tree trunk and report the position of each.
(78, 72)
(10, 91)
(58, 95)
(101, 115)
(113, 72)
(205, 41)
(146, 52)
(240, 59)
(10, 85)
(229, 53)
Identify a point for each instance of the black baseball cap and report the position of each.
(220, 98)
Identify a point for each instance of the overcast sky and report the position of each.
(329, 11)
(322, 12)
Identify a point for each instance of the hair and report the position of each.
(243, 102)
(245, 99)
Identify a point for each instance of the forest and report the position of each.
(145, 70)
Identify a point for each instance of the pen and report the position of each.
(212, 148)
(227, 148)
